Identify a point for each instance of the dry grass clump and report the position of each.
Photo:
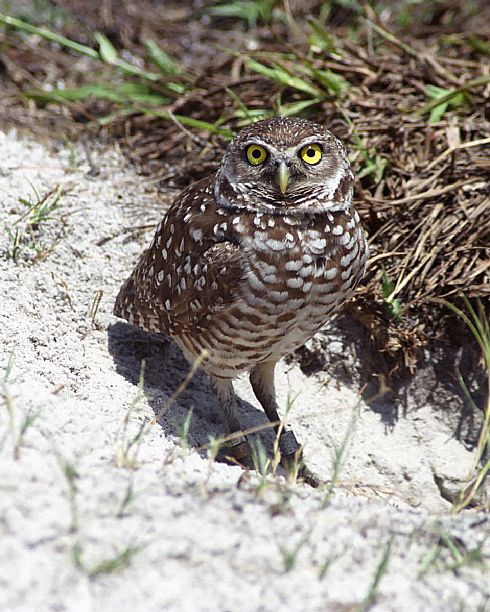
(413, 111)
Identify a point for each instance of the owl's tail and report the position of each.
(123, 306)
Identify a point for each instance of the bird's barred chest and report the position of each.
(296, 274)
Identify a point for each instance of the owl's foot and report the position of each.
(306, 475)
(291, 458)
(242, 452)
(288, 445)
(290, 450)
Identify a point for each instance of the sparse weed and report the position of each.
(94, 307)
(372, 163)
(388, 292)
(71, 475)
(40, 209)
(9, 367)
(451, 553)
(213, 448)
(8, 399)
(251, 11)
(15, 241)
(320, 40)
(184, 430)
(380, 571)
(453, 101)
(338, 456)
(292, 469)
(479, 325)
(73, 160)
(182, 387)
(28, 420)
(118, 562)
(18, 425)
(262, 464)
(127, 445)
(289, 555)
(128, 498)
(327, 564)
(442, 98)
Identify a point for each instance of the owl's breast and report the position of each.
(294, 277)
(298, 276)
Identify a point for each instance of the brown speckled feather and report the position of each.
(243, 270)
(201, 276)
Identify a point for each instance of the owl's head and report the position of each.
(285, 160)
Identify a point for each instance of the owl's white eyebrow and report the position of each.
(310, 140)
(257, 141)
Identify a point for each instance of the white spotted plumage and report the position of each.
(252, 273)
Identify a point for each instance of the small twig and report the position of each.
(431, 193)
(95, 304)
(450, 150)
(238, 434)
(58, 278)
(195, 139)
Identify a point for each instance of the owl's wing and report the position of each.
(193, 268)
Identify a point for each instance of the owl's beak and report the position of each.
(283, 175)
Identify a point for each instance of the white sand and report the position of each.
(205, 538)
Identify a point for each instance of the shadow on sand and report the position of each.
(165, 369)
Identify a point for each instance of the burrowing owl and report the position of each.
(250, 262)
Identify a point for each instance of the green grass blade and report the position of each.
(478, 45)
(107, 51)
(381, 568)
(48, 35)
(320, 38)
(281, 75)
(455, 99)
(161, 59)
(333, 83)
(250, 11)
(471, 84)
(199, 124)
(121, 94)
(296, 108)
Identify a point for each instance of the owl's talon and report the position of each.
(288, 444)
(242, 452)
(307, 476)
(291, 455)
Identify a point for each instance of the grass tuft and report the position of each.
(121, 560)
(128, 444)
(450, 553)
(28, 234)
(251, 11)
(379, 572)
(338, 456)
(476, 320)
(289, 555)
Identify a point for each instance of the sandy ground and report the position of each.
(95, 516)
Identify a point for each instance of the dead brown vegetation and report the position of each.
(413, 111)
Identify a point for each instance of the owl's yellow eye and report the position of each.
(311, 154)
(256, 154)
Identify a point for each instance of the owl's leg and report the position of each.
(262, 380)
(240, 447)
